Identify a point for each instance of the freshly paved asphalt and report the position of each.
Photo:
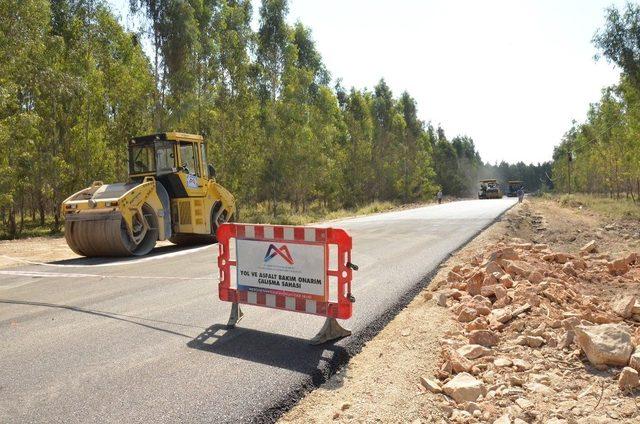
(145, 341)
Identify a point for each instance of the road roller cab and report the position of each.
(171, 195)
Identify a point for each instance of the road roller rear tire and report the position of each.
(109, 237)
(196, 239)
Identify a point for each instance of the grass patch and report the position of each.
(33, 229)
(614, 208)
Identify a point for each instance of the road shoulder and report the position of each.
(381, 383)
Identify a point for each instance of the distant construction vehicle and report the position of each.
(513, 187)
(170, 195)
(489, 189)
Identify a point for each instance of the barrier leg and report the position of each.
(235, 316)
(331, 330)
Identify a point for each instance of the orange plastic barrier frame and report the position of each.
(333, 301)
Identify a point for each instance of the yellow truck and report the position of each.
(170, 195)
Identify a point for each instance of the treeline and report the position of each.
(75, 85)
(602, 155)
(535, 177)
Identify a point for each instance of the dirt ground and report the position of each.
(38, 249)
(383, 382)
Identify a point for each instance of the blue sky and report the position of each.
(510, 74)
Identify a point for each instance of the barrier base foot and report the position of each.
(331, 330)
(235, 316)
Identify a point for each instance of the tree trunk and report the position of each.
(12, 222)
(56, 212)
(274, 199)
(41, 210)
(21, 217)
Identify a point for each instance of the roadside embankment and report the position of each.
(535, 320)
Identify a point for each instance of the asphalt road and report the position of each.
(144, 340)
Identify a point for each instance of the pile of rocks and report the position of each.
(535, 331)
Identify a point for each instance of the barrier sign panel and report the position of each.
(299, 269)
(293, 268)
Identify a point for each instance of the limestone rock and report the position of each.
(569, 269)
(464, 388)
(467, 314)
(486, 338)
(502, 362)
(618, 267)
(479, 323)
(474, 287)
(628, 379)
(524, 403)
(473, 351)
(502, 315)
(489, 290)
(605, 344)
(506, 253)
(634, 361)
(506, 281)
(567, 339)
(505, 419)
(521, 309)
(459, 363)
(492, 267)
(590, 247)
(517, 269)
(500, 292)
(624, 307)
(531, 341)
(472, 408)
(502, 302)
(453, 277)
(432, 385)
(539, 388)
(536, 277)
(521, 364)
(632, 258)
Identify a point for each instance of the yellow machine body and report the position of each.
(170, 195)
(489, 189)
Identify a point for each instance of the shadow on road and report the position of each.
(118, 317)
(158, 251)
(276, 350)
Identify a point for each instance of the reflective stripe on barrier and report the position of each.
(328, 296)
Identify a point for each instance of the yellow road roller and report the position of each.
(489, 189)
(170, 195)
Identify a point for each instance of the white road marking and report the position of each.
(118, 263)
(44, 274)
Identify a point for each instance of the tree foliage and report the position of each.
(602, 154)
(75, 85)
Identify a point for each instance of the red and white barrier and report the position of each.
(304, 269)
